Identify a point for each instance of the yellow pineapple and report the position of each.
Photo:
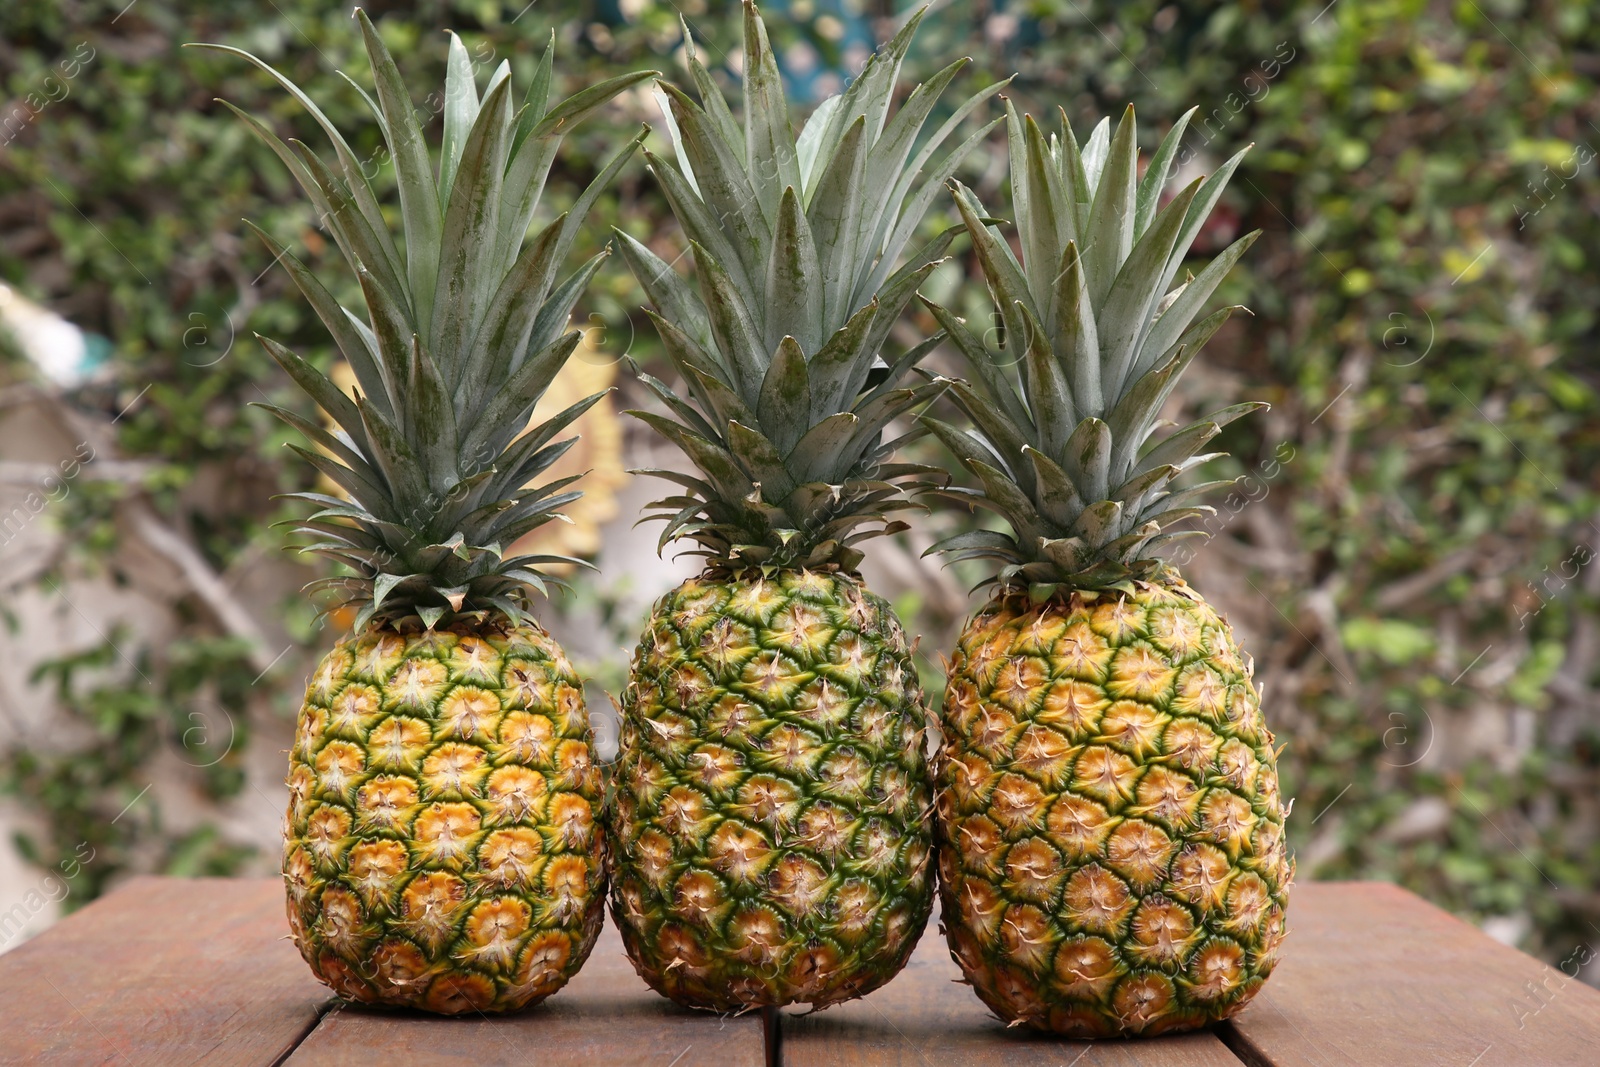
(772, 817)
(443, 847)
(1112, 859)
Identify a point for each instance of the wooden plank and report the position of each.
(1372, 974)
(605, 1016)
(926, 1018)
(163, 971)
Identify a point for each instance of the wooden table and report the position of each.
(170, 972)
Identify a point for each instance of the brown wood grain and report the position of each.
(926, 1018)
(605, 1017)
(1373, 975)
(165, 971)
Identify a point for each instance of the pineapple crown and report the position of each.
(797, 248)
(1094, 339)
(464, 330)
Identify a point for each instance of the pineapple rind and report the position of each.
(443, 847)
(1110, 828)
(772, 813)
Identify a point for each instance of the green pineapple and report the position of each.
(1111, 843)
(443, 848)
(772, 811)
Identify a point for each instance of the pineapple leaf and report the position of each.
(1165, 331)
(419, 198)
(1110, 233)
(319, 388)
(1156, 173)
(432, 418)
(1058, 498)
(507, 409)
(769, 143)
(793, 304)
(835, 218)
(666, 290)
(711, 98)
(470, 240)
(1087, 459)
(731, 323)
(722, 182)
(784, 407)
(815, 456)
(460, 111)
(1077, 335)
(370, 374)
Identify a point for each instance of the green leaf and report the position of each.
(319, 388)
(556, 312)
(727, 476)
(361, 244)
(1056, 497)
(394, 457)
(431, 418)
(419, 198)
(816, 456)
(354, 180)
(835, 217)
(807, 148)
(393, 335)
(508, 320)
(336, 319)
(784, 407)
(794, 280)
(927, 192)
(686, 353)
(835, 364)
(758, 456)
(1046, 226)
(468, 251)
(460, 111)
(711, 98)
(769, 143)
(1199, 210)
(578, 214)
(698, 222)
(1049, 397)
(1001, 433)
(1164, 332)
(1109, 237)
(731, 323)
(724, 187)
(507, 410)
(1087, 460)
(1130, 305)
(1155, 174)
(1099, 522)
(666, 289)
(996, 384)
(1077, 337)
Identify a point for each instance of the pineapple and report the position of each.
(443, 848)
(772, 810)
(1111, 843)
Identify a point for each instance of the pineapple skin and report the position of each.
(443, 848)
(772, 817)
(1112, 860)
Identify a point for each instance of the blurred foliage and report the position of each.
(98, 818)
(1420, 540)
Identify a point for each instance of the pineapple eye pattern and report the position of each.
(442, 849)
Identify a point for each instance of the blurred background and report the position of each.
(1409, 552)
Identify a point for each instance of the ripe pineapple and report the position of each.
(772, 817)
(442, 849)
(1110, 829)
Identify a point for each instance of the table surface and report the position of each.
(173, 972)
